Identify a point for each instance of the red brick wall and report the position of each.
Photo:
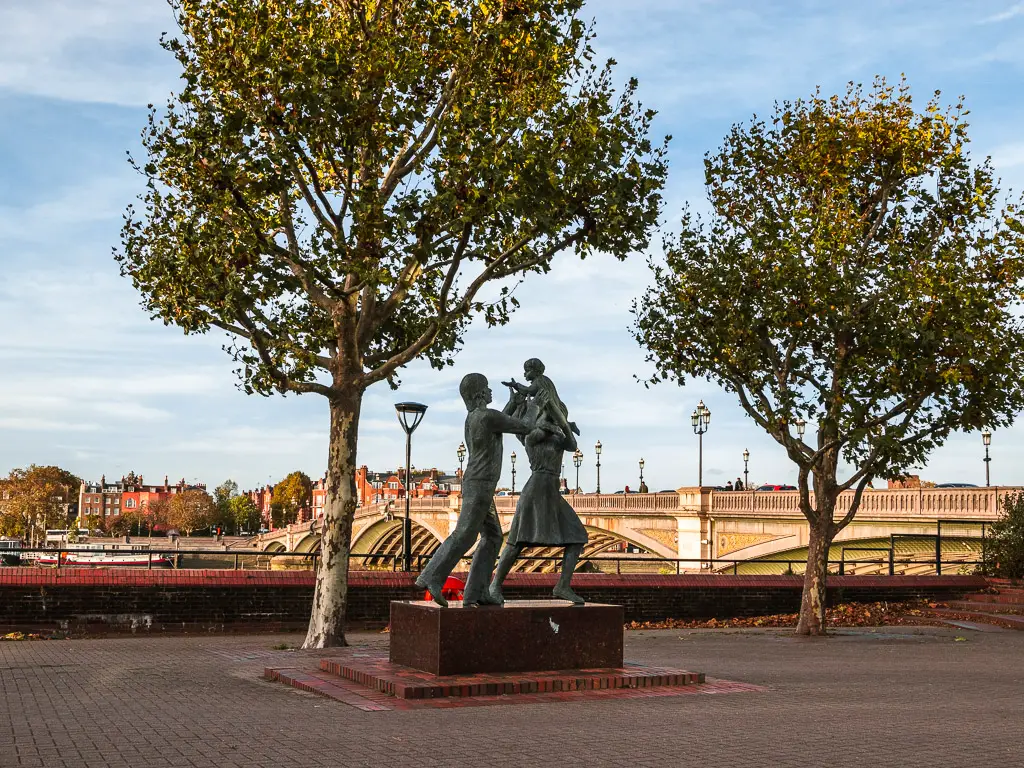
(80, 599)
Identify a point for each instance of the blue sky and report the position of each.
(87, 381)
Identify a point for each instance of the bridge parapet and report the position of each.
(936, 503)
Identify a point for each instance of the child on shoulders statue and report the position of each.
(542, 390)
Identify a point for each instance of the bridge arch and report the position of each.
(384, 540)
(311, 543)
(275, 546)
(600, 541)
(870, 556)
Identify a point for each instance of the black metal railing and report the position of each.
(247, 560)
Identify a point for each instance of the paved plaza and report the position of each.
(917, 696)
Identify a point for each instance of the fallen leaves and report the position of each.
(22, 636)
(843, 615)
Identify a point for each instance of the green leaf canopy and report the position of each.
(335, 182)
(856, 272)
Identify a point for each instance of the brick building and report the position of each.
(371, 487)
(130, 493)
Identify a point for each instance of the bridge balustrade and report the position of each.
(929, 502)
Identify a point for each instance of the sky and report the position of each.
(89, 382)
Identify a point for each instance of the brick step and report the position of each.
(327, 685)
(999, 619)
(1007, 588)
(381, 675)
(985, 606)
(1003, 598)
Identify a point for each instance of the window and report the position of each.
(392, 485)
(129, 503)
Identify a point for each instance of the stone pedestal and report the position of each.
(521, 636)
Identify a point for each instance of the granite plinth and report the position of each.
(521, 636)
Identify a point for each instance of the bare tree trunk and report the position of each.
(330, 597)
(812, 603)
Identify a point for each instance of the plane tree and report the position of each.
(342, 186)
(857, 274)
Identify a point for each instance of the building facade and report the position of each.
(129, 494)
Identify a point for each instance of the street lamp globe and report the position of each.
(986, 437)
(410, 415)
(801, 425)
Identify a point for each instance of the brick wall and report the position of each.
(139, 600)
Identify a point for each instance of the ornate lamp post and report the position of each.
(986, 438)
(597, 452)
(461, 453)
(641, 473)
(746, 475)
(700, 419)
(577, 461)
(409, 416)
(801, 425)
(513, 457)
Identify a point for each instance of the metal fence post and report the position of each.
(938, 547)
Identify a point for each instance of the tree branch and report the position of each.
(248, 331)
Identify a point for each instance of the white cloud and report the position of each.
(1011, 12)
(97, 51)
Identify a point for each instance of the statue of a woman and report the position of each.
(543, 517)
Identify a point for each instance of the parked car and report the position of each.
(776, 488)
(956, 485)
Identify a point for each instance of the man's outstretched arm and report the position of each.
(496, 421)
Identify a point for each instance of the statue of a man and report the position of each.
(484, 428)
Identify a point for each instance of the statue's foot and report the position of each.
(484, 599)
(565, 593)
(495, 596)
(433, 589)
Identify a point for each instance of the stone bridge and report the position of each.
(690, 524)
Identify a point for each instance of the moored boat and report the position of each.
(112, 555)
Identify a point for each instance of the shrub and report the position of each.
(1004, 545)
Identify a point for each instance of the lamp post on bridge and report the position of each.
(461, 453)
(746, 475)
(597, 452)
(700, 419)
(577, 461)
(640, 487)
(409, 416)
(513, 457)
(986, 438)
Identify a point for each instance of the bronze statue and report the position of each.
(543, 517)
(483, 431)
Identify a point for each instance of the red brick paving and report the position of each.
(910, 697)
